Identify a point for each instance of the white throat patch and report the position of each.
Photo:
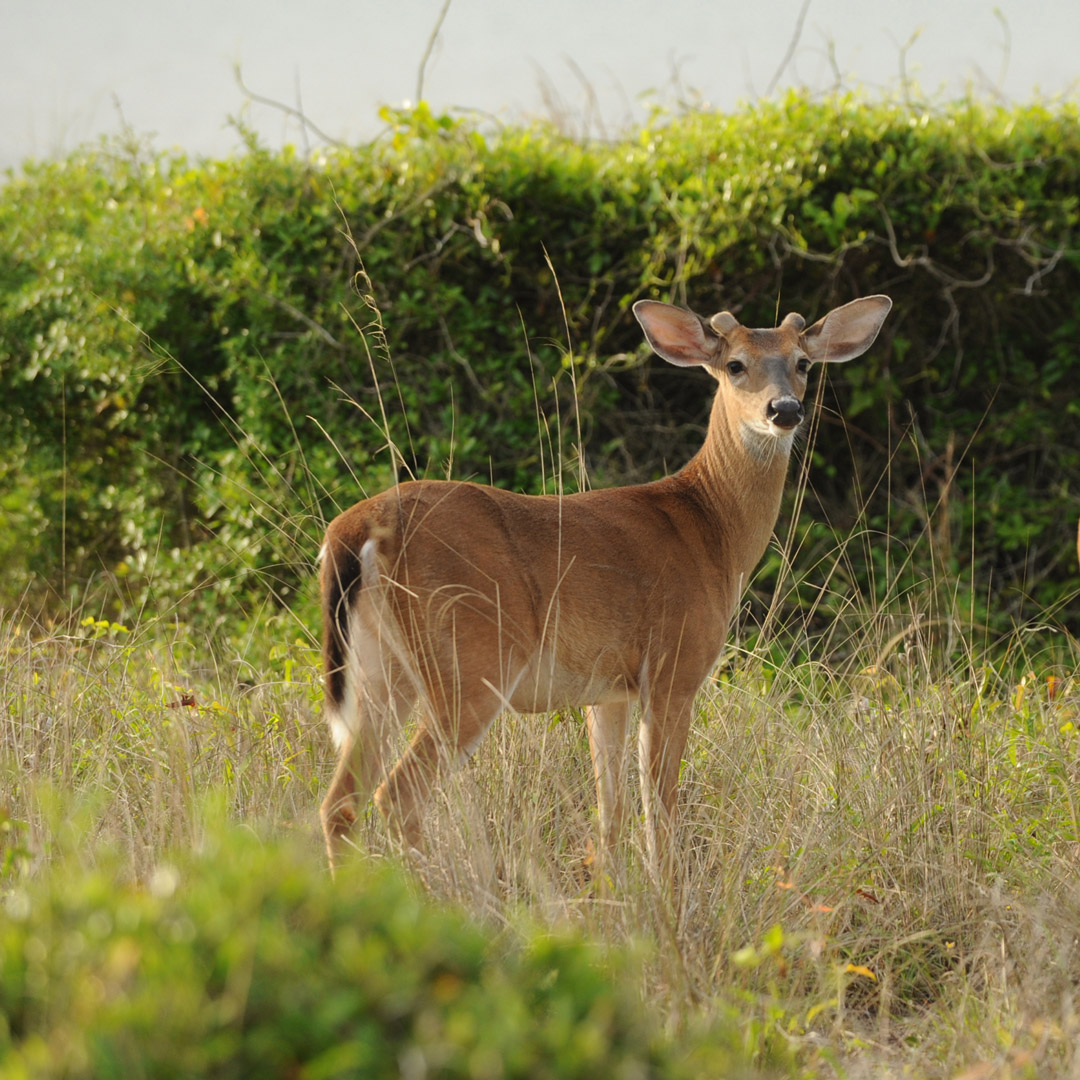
(764, 446)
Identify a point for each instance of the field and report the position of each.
(878, 858)
(880, 831)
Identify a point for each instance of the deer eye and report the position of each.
(803, 366)
(735, 367)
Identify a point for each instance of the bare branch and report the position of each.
(905, 79)
(1006, 48)
(792, 46)
(317, 328)
(297, 114)
(1044, 269)
(427, 51)
(931, 267)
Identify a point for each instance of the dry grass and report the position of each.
(879, 849)
(878, 867)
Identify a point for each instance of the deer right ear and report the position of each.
(848, 331)
(676, 335)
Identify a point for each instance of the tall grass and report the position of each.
(879, 844)
(878, 863)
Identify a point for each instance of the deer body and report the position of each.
(470, 599)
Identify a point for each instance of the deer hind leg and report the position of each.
(450, 731)
(378, 698)
(607, 742)
(338, 810)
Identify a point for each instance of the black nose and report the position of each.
(785, 412)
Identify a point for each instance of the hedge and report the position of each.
(202, 361)
(245, 959)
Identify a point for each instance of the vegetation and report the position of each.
(878, 877)
(242, 959)
(202, 361)
(172, 334)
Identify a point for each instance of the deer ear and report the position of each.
(723, 322)
(678, 336)
(848, 331)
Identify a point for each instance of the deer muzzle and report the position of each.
(785, 412)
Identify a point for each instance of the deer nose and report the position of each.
(785, 412)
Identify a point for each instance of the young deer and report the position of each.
(472, 600)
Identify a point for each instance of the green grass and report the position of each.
(878, 863)
(878, 855)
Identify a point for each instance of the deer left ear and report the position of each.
(846, 332)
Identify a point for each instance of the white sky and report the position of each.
(69, 68)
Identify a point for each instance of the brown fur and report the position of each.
(471, 599)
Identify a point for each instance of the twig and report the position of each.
(427, 51)
(1006, 49)
(1043, 270)
(297, 314)
(905, 262)
(287, 109)
(905, 79)
(792, 46)
(592, 105)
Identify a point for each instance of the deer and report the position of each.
(467, 600)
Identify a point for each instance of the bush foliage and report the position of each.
(247, 960)
(202, 361)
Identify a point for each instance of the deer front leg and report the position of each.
(607, 742)
(661, 741)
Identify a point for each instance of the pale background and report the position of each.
(73, 69)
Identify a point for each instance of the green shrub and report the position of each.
(247, 960)
(193, 383)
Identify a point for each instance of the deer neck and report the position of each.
(738, 479)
